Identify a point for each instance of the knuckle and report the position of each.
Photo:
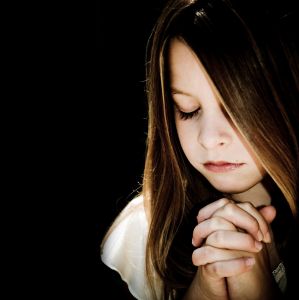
(224, 201)
(200, 256)
(196, 257)
(215, 223)
(207, 253)
(198, 217)
(229, 208)
(195, 232)
(250, 241)
(217, 237)
(247, 206)
(214, 269)
(204, 253)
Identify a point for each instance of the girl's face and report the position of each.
(208, 137)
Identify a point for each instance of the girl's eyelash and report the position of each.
(190, 115)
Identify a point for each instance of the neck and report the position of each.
(257, 195)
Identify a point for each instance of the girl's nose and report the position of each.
(214, 132)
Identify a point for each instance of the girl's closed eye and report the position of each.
(187, 115)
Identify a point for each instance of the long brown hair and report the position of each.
(250, 64)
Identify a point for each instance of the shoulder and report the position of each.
(124, 246)
(125, 224)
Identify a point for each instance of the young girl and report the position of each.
(216, 218)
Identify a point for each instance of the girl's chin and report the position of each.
(232, 188)
(233, 183)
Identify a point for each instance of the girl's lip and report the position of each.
(221, 166)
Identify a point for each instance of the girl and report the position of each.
(216, 218)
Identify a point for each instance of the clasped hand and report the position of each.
(231, 253)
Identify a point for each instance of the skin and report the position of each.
(233, 237)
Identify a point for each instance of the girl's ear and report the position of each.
(268, 212)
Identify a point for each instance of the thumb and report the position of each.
(268, 212)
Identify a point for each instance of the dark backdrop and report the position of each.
(123, 28)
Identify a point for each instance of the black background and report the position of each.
(122, 31)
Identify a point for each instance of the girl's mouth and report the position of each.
(221, 166)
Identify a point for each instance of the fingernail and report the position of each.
(193, 242)
(267, 237)
(249, 261)
(258, 245)
(259, 236)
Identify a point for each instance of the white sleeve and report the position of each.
(124, 249)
